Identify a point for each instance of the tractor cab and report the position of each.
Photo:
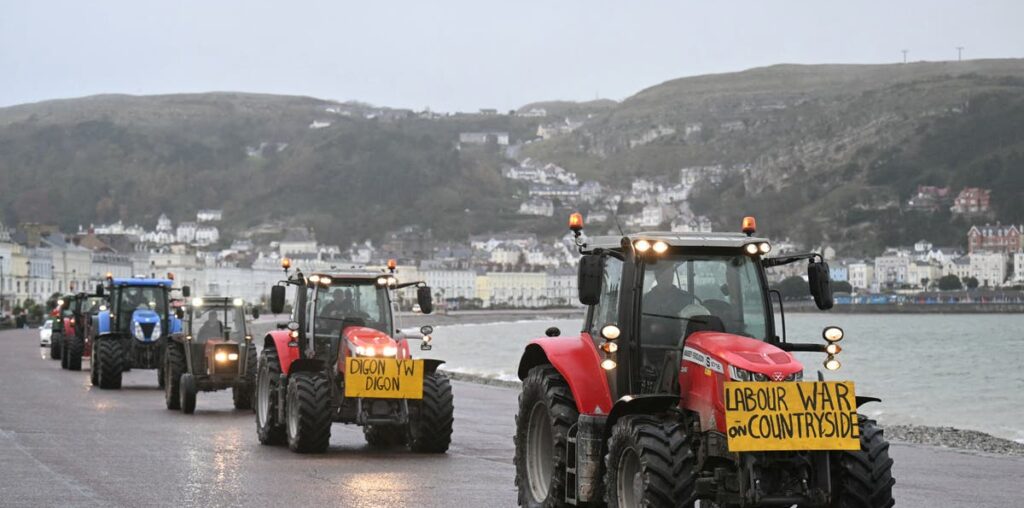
(62, 325)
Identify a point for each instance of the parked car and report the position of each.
(45, 330)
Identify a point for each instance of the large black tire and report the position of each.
(649, 463)
(160, 379)
(188, 393)
(430, 421)
(94, 373)
(71, 357)
(308, 413)
(546, 411)
(109, 356)
(242, 396)
(269, 430)
(386, 436)
(863, 478)
(56, 340)
(174, 367)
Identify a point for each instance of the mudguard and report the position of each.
(864, 400)
(640, 404)
(577, 360)
(286, 352)
(103, 322)
(430, 366)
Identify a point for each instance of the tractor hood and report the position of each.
(745, 353)
(146, 325)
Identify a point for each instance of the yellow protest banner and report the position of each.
(384, 378)
(765, 416)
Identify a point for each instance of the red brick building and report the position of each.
(971, 201)
(997, 238)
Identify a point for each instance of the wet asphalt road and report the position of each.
(63, 443)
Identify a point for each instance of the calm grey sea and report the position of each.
(964, 371)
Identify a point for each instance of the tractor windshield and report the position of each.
(359, 302)
(687, 293)
(133, 298)
(214, 321)
(91, 305)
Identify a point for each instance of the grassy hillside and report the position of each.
(821, 151)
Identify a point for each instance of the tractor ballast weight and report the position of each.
(340, 359)
(646, 406)
(213, 351)
(132, 332)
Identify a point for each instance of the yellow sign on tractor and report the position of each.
(384, 378)
(766, 416)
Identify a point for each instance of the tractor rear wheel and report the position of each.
(110, 362)
(863, 478)
(73, 350)
(160, 379)
(242, 395)
(268, 428)
(546, 411)
(430, 424)
(175, 366)
(188, 393)
(649, 463)
(308, 413)
(385, 436)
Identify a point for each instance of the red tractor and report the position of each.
(680, 389)
(78, 345)
(337, 361)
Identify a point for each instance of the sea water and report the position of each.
(964, 371)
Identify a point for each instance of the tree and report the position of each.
(950, 283)
(841, 286)
(794, 287)
(971, 282)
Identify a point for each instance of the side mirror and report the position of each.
(589, 279)
(426, 330)
(553, 332)
(255, 312)
(178, 313)
(425, 299)
(186, 291)
(820, 281)
(99, 289)
(277, 299)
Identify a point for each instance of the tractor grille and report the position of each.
(147, 329)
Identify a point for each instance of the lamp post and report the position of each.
(1, 284)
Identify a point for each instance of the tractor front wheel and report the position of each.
(863, 478)
(242, 395)
(110, 364)
(430, 424)
(269, 430)
(649, 463)
(546, 411)
(55, 343)
(188, 393)
(175, 366)
(308, 412)
(72, 354)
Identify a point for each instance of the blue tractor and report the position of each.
(133, 331)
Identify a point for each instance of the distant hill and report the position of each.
(822, 151)
(819, 152)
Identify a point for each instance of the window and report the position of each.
(607, 310)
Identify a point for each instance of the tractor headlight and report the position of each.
(233, 357)
(738, 374)
(137, 330)
(156, 330)
(389, 351)
(221, 357)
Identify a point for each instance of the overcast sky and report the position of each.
(463, 55)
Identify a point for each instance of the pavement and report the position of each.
(63, 442)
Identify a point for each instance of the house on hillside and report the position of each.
(997, 238)
(972, 201)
